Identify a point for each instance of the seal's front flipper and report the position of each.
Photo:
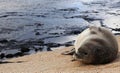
(73, 60)
(71, 52)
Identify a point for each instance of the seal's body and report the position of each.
(95, 45)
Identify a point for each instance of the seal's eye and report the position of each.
(85, 53)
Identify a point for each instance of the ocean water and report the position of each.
(52, 23)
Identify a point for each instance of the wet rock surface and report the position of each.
(28, 26)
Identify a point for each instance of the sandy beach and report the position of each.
(29, 26)
(54, 62)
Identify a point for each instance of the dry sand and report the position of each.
(54, 62)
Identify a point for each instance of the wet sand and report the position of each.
(54, 62)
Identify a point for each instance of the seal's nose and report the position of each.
(76, 54)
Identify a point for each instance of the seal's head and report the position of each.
(85, 53)
(94, 51)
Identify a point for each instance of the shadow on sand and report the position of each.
(5, 62)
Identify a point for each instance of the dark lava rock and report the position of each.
(40, 16)
(2, 55)
(73, 31)
(4, 16)
(37, 33)
(54, 33)
(36, 50)
(40, 49)
(38, 24)
(117, 33)
(68, 44)
(3, 41)
(9, 56)
(41, 42)
(24, 49)
(78, 16)
(12, 41)
(53, 44)
(69, 9)
(49, 49)
(116, 29)
(18, 54)
(89, 19)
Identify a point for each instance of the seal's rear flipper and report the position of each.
(71, 52)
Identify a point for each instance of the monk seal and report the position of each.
(95, 45)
